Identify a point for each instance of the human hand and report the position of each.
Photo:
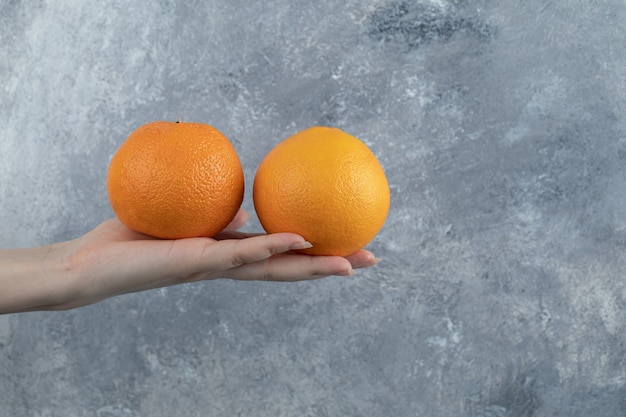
(112, 260)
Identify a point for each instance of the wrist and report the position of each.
(35, 279)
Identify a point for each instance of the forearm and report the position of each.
(33, 279)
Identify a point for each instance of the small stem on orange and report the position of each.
(180, 120)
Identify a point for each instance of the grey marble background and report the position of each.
(501, 126)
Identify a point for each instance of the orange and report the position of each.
(325, 185)
(175, 180)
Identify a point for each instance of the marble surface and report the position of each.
(501, 126)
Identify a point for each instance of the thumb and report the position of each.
(238, 221)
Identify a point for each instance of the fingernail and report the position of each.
(349, 273)
(377, 260)
(301, 245)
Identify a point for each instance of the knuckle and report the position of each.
(237, 258)
(267, 273)
(267, 276)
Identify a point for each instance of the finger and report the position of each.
(292, 267)
(239, 220)
(362, 259)
(215, 256)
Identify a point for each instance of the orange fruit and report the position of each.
(325, 185)
(175, 180)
